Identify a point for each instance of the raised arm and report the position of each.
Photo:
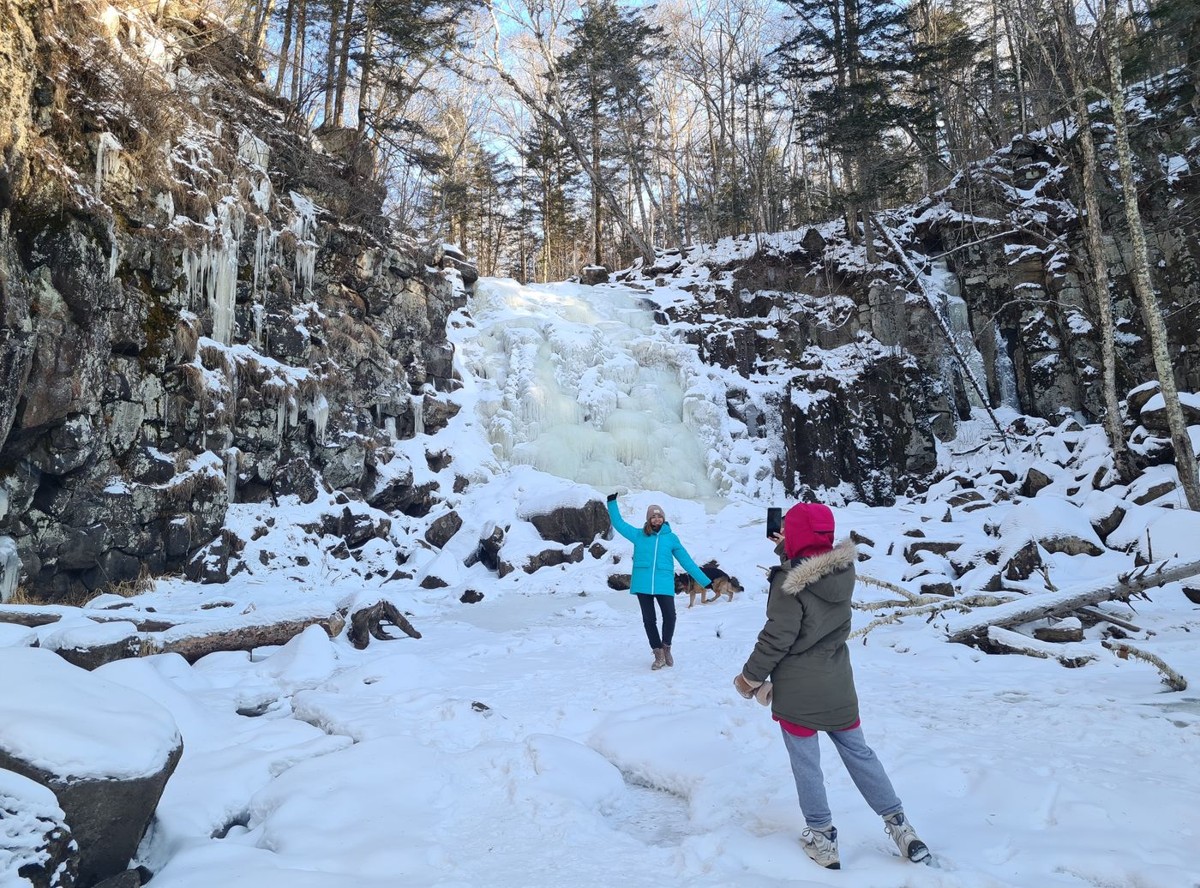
(620, 525)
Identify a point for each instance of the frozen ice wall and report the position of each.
(579, 382)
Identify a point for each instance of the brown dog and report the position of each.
(722, 584)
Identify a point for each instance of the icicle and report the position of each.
(223, 270)
(1006, 373)
(389, 426)
(418, 409)
(960, 325)
(107, 153)
(281, 412)
(114, 254)
(193, 271)
(303, 226)
(232, 457)
(318, 411)
(10, 567)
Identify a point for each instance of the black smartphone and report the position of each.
(774, 521)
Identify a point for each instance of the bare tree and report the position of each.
(1152, 316)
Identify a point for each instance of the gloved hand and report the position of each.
(764, 693)
(745, 686)
(611, 497)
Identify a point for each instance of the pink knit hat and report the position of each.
(808, 530)
(656, 510)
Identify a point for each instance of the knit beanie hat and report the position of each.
(808, 530)
(656, 510)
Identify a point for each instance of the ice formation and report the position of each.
(212, 271)
(10, 568)
(303, 225)
(108, 151)
(587, 388)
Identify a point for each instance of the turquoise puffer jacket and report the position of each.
(654, 557)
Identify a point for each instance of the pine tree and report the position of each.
(605, 80)
(854, 58)
(551, 177)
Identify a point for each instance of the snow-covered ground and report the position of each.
(524, 741)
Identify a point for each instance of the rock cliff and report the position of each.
(996, 265)
(202, 300)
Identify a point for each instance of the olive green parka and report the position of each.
(802, 648)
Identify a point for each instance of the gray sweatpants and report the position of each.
(865, 770)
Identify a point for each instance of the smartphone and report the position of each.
(774, 521)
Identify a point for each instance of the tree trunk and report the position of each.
(238, 638)
(332, 53)
(343, 77)
(596, 259)
(367, 623)
(285, 47)
(1093, 238)
(364, 89)
(1056, 604)
(1185, 458)
(298, 50)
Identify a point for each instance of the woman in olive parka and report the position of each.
(802, 650)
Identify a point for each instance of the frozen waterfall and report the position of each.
(579, 382)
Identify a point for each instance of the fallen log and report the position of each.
(1171, 678)
(973, 631)
(367, 622)
(242, 633)
(1102, 617)
(1005, 641)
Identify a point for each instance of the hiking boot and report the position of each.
(659, 659)
(821, 846)
(667, 658)
(905, 837)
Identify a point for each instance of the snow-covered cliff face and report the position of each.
(995, 264)
(200, 302)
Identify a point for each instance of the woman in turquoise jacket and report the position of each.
(655, 551)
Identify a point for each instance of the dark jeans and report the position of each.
(666, 604)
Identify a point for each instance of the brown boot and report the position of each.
(659, 660)
(670, 661)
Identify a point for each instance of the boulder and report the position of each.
(1035, 480)
(1022, 565)
(1154, 414)
(89, 645)
(36, 847)
(619, 582)
(590, 275)
(487, 553)
(571, 524)
(442, 529)
(912, 552)
(552, 558)
(107, 763)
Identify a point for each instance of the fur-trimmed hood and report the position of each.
(805, 574)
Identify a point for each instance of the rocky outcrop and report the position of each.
(994, 264)
(201, 302)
